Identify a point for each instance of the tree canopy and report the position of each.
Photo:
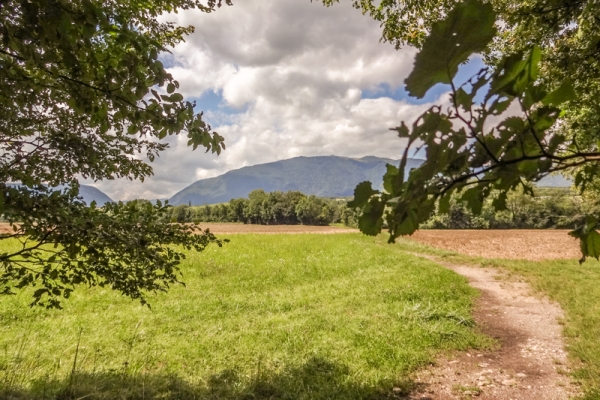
(566, 32)
(84, 95)
(475, 148)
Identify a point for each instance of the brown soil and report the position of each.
(523, 244)
(531, 361)
(5, 228)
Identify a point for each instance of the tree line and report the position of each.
(269, 208)
(549, 208)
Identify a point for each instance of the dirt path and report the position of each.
(531, 362)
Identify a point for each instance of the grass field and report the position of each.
(575, 287)
(267, 316)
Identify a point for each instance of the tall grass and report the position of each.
(267, 316)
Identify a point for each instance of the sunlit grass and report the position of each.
(266, 316)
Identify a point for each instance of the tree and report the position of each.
(255, 207)
(566, 32)
(237, 210)
(82, 92)
(312, 210)
(469, 154)
(181, 213)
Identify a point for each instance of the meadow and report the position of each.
(265, 317)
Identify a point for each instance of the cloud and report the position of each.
(280, 79)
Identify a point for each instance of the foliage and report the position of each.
(265, 317)
(565, 30)
(274, 208)
(550, 208)
(403, 22)
(474, 147)
(83, 92)
(314, 211)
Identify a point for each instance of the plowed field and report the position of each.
(524, 244)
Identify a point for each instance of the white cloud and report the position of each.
(296, 72)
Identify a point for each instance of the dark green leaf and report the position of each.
(362, 194)
(593, 244)
(370, 220)
(390, 178)
(467, 29)
(562, 94)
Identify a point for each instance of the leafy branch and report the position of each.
(465, 159)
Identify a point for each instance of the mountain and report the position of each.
(88, 193)
(325, 176)
(554, 181)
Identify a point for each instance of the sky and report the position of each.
(280, 79)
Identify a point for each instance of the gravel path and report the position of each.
(530, 363)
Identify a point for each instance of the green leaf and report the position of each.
(499, 203)
(463, 99)
(515, 73)
(444, 204)
(362, 194)
(593, 244)
(370, 220)
(175, 97)
(390, 178)
(408, 226)
(155, 94)
(467, 29)
(170, 88)
(474, 199)
(562, 94)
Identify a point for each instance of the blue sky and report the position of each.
(285, 78)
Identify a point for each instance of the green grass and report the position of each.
(265, 317)
(575, 287)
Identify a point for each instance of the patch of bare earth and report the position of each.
(525, 244)
(530, 363)
(5, 228)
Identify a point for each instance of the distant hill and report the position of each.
(325, 176)
(88, 193)
(554, 181)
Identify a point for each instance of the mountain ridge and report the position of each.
(323, 176)
(87, 193)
